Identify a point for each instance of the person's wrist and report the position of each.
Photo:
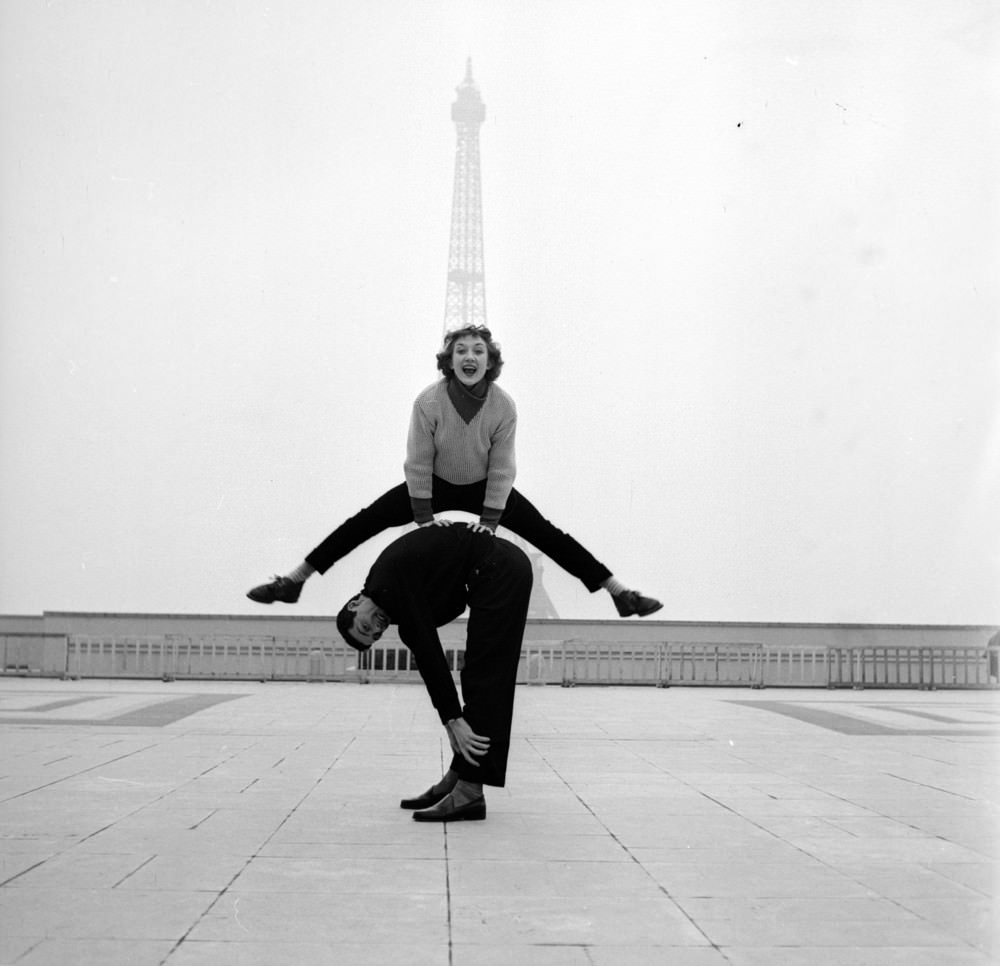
(490, 516)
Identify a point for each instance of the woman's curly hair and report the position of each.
(481, 332)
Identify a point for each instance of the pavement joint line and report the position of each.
(937, 761)
(256, 854)
(447, 868)
(447, 893)
(623, 846)
(31, 948)
(82, 771)
(96, 832)
(874, 811)
(764, 828)
(202, 821)
(935, 788)
(26, 871)
(893, 900)
(225, 761)
(129, 875)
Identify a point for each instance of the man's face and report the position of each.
(370, 621)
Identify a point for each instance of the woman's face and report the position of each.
(470, 359)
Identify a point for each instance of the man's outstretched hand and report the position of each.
(465, 742)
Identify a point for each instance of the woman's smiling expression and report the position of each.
(469, 359)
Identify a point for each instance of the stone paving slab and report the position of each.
(214, 823)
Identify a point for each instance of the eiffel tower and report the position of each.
(465, 299)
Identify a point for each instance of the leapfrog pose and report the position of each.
(460, 456)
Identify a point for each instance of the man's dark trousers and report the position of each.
(498, 593)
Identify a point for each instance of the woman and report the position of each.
(460, 456)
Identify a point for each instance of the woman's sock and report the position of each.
(301, 573)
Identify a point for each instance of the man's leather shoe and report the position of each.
(447, 811)
(630, 602)
(430, 797)
(281, 588)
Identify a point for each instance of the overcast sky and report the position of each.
(742, 258)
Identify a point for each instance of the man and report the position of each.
(421, 582)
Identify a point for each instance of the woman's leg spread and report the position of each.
(521, 517)
(391, 509)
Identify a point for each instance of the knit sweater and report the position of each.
(440, 443)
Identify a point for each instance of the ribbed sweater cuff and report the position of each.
(423, 512)
(490, 516)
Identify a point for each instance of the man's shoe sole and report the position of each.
(473, 812)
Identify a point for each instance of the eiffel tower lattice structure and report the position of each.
(465, 299)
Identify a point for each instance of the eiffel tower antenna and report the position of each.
(465, 300)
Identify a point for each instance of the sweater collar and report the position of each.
(467, 402)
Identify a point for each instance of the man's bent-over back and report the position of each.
(422, 581)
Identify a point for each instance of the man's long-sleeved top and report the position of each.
(441, 443)
(420, 582)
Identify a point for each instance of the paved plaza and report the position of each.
(224, 823)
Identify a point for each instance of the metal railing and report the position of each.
(33, 653)
(800, 667)
(568, 663)
(173, 656)
(925, 668)
(661, 665)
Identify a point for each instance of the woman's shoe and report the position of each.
(630, 602)
(280, 588)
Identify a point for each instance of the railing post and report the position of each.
(569, 673)
(858, 675)
(757, 667)
(315, 673)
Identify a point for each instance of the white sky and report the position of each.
(741, 257)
